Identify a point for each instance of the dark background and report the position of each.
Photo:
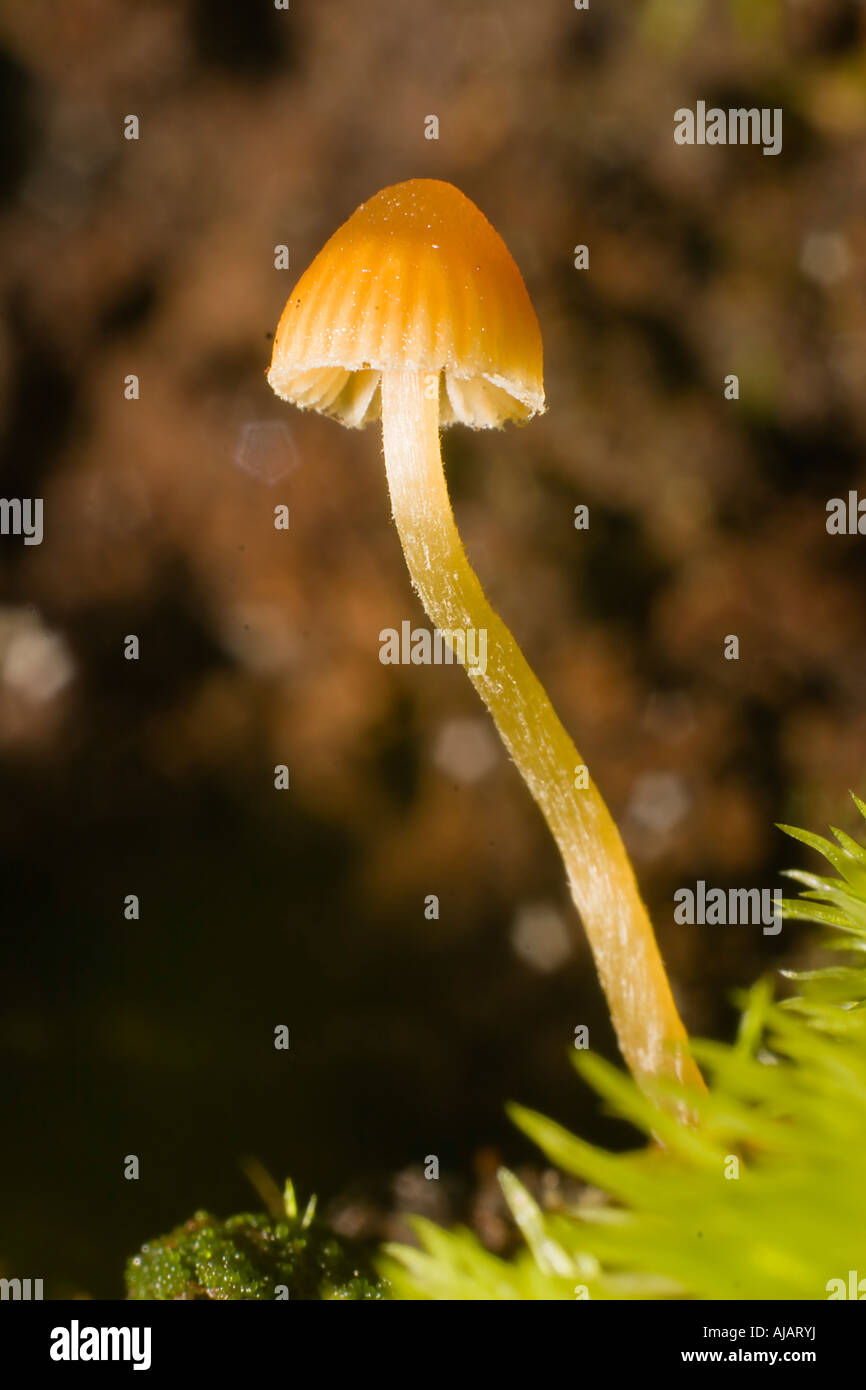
(155, 777)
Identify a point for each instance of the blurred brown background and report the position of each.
(155, 777)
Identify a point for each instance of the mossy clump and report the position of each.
(251, 1256)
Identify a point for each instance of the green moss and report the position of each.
(251, 1257)
(763, 1199)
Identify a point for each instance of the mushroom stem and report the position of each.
(650, 1032)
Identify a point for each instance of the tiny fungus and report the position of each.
(414, 312)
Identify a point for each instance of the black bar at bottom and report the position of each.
(156, 1340)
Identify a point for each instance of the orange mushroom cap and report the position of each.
(415, 280)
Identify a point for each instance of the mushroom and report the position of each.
(414, 311)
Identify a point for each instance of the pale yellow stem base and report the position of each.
(650, 1033)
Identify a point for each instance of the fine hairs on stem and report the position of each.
(649, 1030)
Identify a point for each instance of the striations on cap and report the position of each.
(415, 280)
